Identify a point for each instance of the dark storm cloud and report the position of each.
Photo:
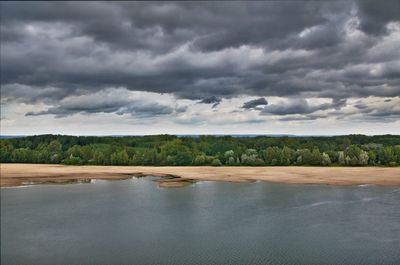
(375, 15)
(253, 104)
(108, 101)
(209, 25)
(203, 51)
(300, 106)
(361, 106)
(211, 100)
(338, 103)
(135, 108)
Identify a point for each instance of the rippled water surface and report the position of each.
(135, 222)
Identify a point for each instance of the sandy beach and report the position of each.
(23, 174)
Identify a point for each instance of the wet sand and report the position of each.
(25, 174)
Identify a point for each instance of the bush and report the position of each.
(216, 163)
(72, 160)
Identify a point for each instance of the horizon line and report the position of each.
(188, 135)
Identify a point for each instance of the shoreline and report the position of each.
(25, 174)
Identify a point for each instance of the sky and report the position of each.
(134, 68)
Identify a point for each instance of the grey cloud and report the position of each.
(108, 101)
(381, 109)
(209, 25)
(338, 103)
(146, 110)
(376, 14)
(32, 94)
(137, 109)
(255, 103)
(375, 110)
(211, 100)
(198, 51)
(300, 106)
(361, 106)
(302, 117)
(385, 113)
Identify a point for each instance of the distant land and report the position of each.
(11, 136)
(194, 135)
(178, 135)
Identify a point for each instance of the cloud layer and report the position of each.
(252, 62)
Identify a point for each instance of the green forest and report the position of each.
(170, 150)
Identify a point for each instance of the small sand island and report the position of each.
(26, 174)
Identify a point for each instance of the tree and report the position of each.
(316, 157)
(74, 151)
(326, 161)
(299, 160)
(352, 150)
(179, 154)
(372, 158)
(99, 158)
(216, 163)
(22, 155)
(6, 149)
(354, 161)
(345, 143)
(341, 158)
(230, 157)
(271, 155)
(385, 155)
(229, 153)
(54, 147)
(363, 158)
(305, 157)
(396, 152)
(231, 161)
(200, 160)
(348, 160)
(333, 155)
(120, 158)
(72, 160)
(287, 156)
(86, 153)
(250, 157)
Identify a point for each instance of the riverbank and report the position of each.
(23, 174)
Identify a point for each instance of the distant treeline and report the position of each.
(168, 150)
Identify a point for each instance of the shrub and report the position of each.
(216, 163)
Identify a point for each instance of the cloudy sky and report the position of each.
(200, 68)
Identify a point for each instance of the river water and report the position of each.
(136, 222)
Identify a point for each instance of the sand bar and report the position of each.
(22, 174)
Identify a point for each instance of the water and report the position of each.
(135, 222)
